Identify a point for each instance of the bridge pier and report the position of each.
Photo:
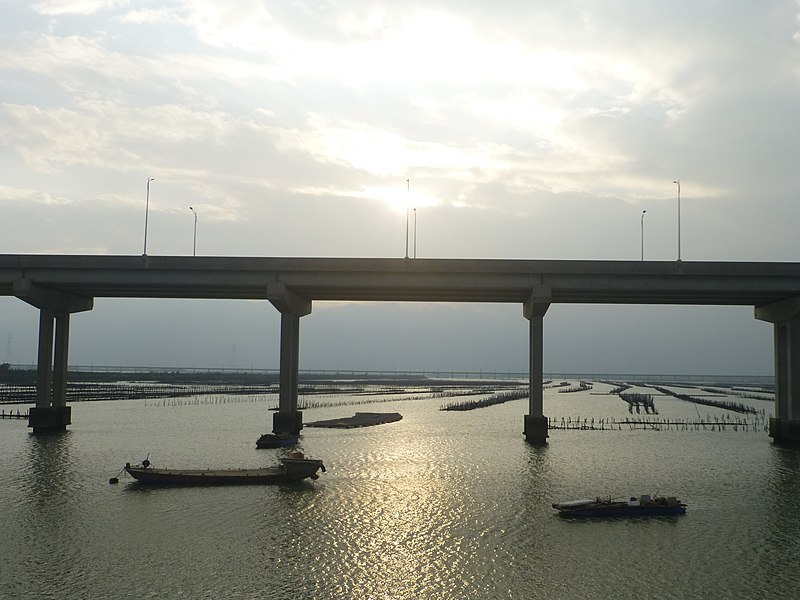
(288, 420)
(51, 413)
(534, 309)
(784, 427)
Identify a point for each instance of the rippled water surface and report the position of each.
(438, 505)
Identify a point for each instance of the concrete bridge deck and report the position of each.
(398, 279)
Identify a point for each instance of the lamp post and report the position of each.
(408, 189)
(146, 213)
(194, 243)
(644, 211)
(678, 182)
(415, 232)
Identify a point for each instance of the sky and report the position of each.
(512, 129)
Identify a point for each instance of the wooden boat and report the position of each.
(640, 506)
(292, 469)
(277, 440)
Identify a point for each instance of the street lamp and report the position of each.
(408, 189)
(644, 211)
(146, 213)
(194, 244)
(678, 182)
(415, 232)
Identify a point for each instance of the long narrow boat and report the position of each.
(640, 506)
(290, 470)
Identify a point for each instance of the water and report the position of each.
(438, 505)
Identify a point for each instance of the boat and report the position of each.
(290, 470)
(277, 440)
(635, 506)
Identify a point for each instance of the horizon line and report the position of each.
(480, 373)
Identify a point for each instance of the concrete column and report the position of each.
(60, 360)
(44, 369)
(51, 412)
(534, 309)
(288, 419)
(784, 427)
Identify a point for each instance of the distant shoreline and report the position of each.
(19, 374)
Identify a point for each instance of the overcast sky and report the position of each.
(517, 129)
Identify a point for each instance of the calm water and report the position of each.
(438, 505)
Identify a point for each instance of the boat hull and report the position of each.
(643, 506)
(274, 440)
(624, 511)
(289, 471)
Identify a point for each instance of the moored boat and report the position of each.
(291, 469)
(643, 505)
(277, 440)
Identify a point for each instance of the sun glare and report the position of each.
(401, 198)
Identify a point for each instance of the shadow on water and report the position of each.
(785, 477)
(52, 476)
(52, 484)
(52, 518)
(537, 457)
(536, 484)
(779, 554)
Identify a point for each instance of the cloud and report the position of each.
(80, 7)
(245, 24)
(32, 196)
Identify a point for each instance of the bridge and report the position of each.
(59, 285)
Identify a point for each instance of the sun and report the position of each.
(401, 198)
